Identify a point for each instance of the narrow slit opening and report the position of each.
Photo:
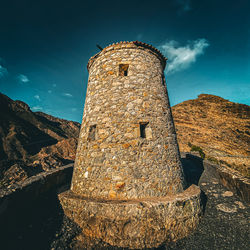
(92, 133)
(143, 126)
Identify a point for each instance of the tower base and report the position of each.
(138, 223)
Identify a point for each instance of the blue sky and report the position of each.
(45, 47)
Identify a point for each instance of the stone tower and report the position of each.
(127, 149)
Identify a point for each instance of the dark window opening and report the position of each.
(92, 131)
(123, 69)
(143, 126)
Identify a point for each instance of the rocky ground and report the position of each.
(224, 224)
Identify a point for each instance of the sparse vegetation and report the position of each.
(212, 159)
(197, 149)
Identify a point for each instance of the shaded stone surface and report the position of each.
(234, 181)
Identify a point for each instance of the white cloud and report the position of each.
(3, 71)
(23, 78)
(37, 97)
(49, 91)
(67, 94)
(73, 109)
(36, 108)
(54, 85)
(181, 57)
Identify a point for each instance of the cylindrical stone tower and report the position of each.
(128, 186)
(127, 146)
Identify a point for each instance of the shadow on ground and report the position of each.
(193, 169)
(31, 223)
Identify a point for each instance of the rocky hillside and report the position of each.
(32, 142)
(216, 127)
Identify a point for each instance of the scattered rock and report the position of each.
(227, 194)
(119, 185)
(226, 209)
(240, 204)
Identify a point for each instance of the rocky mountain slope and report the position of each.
(217, 127)
(32, 142)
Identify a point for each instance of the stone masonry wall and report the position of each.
(114, 160)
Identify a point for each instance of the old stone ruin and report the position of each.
(128, 187)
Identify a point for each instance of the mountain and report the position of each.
(216, 127)
(32, 142)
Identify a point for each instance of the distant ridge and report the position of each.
(31, 142)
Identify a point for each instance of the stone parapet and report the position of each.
(135, 223)
(37, 185)
(228, 177)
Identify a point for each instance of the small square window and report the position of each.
(123, 69)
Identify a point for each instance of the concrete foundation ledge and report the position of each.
(138, 223)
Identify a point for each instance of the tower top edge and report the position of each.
(128, 44)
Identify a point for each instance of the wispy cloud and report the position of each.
(3, 71)
(73, 109)
(181, 57)
(184, 5)
(53, 85)
(67, 94)
(37, 97)
(49, 91)
(23, 78)
(36, 108)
